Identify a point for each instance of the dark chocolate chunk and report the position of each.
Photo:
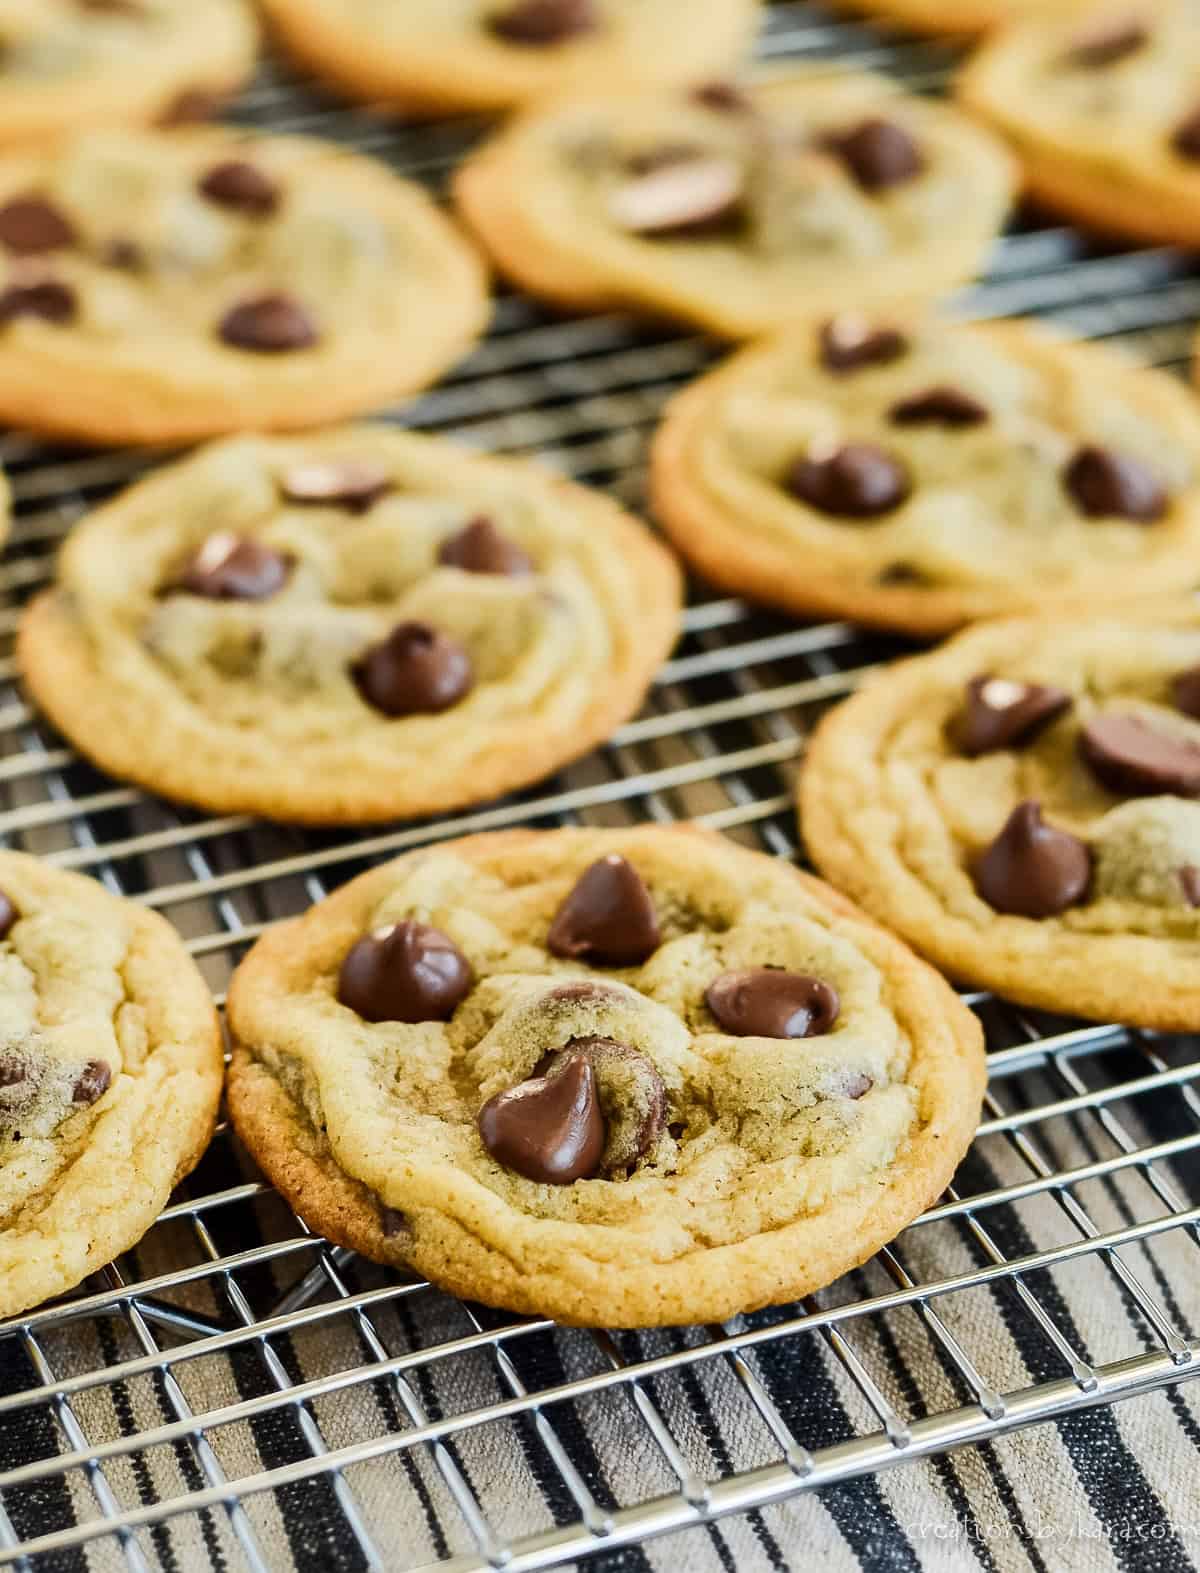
(1129, 756)
(479, 547)
(544, 21)
(416, 670)
(550, 1128)
(31, 226)
(236, 183)
(44, 298)
(859, 481)
(854, 1085)
(268, 325)
(393, 1224)
(633, 1099)
(1185, 139)
(8, 916)
(608, 917)
(1114, 485)
(124, 254)
(354, 484)
(850, 342)
(941, 406)
(14, 1070)
(1031, 869)
(406, 971)
(679, 193)
(878, 153)
(1185, 692)
(231, 567)
(1000, 713)
(1105, 45)
(93, 1082)
(766, 1002)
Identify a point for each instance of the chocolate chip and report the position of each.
(725, 97)
(684, 196)
(1114, 485)
(607, 918)
(8, 916)
(1000, 713)
(765, 1002)
(633, 1099)
(941, 406)
(114, 7)
(393, 1224)
(417, 670)
(354, 484)
(858, 481)
(1105, 45)
(123, 253)
(30, 226)
(269, 325)
(550, 1128)
(1189, 883)
(1131, 757)
(47, 299)
(544, 21)
(1186, 137)
(850, 342)
(1185, 692)
(193, 105)
(242, 186)
(878, 153)
(14, 1070)
(93, 1082)
(1032, 869)
(404, 972)
(854, 1085)
(480, 548)
(230, 567)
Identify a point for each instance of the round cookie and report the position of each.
(739, 209)
(355, 626)
(1021, 806)
(110, 1074)
(614, 1077)
(66, 65)
(437, 56)
(913, 473)
(1104, 113)
(165, 286)
(952, 18)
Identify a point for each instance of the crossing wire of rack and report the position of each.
(720, 740)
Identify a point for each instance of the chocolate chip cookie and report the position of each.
(429, 57)
(163, 286)
(66, 65)
(1104, 111)
(1022, 806)
(737, 208)
(908, 472)
(110, 1072)
(355, 626)
(951, 18)
(626, 1077)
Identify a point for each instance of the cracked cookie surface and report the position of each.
(1103, 109)
(110, 1072)
(162, 286)
(356, 625)
(1021, 806)
(918, 474)
(665, 1080)
(740, 209)
(439, 56)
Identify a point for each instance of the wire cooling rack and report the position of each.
(230, 1279)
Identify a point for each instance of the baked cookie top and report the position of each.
(740, 209)
(356, 625)
(1020, 804)
(915, 473)
(110, 1072)
(629, 1077)
(947, 18)
(67, 64)
(436, 56)
(1104, 110)
(162, 286)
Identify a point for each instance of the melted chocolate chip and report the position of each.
(235, 183)
(393, 1224)
(405, 972)
(354, 484)
(193, 105)
(1185, 139)
(544, 21)
(607, 918)
(31, 226)
(1189, 883)
(858, 481)
(480, 548)
(8, 916)
(268, 325)
(1185, 692)
(232, 568)
(93, 1082)
(1106, 45)
(1114, 485)
(764, 1002)
(416, 670)
(1000, 713)
(1130, 757)
(1031, 869)
(850, 342)
(633, 1099)
(725, 97)
(942, 406)
(878, 153)
(550, 1128)
(47, 299)
(683, 194)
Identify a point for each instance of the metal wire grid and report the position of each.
(719, 740)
